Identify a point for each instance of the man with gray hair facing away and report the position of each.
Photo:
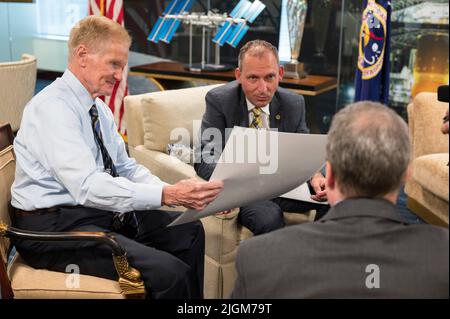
(362, 248)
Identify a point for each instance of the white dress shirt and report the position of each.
(59, 163)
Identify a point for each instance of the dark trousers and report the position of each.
(266, 216)
(171, 260)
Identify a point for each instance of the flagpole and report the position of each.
(120, 90)
(102, 7)
(341, 38)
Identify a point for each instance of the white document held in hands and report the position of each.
(258, 165)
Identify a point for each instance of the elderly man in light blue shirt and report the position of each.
(73, 173)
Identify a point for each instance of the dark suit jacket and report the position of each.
(329, 258)
(226, 107)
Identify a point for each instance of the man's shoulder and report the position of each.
(286, 92)
(52, 94)
(431, 236)
(286, 95)
(227, 90)
(275, 242)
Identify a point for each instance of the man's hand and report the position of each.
(191, 193)
(225, 212)
(318, 183)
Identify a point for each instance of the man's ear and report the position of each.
(281, 72)
(237, 74)
(330, 180)
(81, 53)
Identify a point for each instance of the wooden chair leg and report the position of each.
(5, 284)
(425, 213)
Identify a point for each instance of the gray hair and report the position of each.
(368, 150)
(257, 48)
(94, 31)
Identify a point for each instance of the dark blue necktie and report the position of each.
(126, 222)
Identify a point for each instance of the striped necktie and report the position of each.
(257, 119)
(107, 161)
(127, 222)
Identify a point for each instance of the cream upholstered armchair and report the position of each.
(17, 83)
(151, 118)
(19, 280)
(427, 188)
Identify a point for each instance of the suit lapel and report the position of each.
(275, 114)
(242, 119)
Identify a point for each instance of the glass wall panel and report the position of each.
(419, 54)
(5, 53)
(41, 29)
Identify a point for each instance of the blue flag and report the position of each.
(372, 75)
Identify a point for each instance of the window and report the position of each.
(55, 18)
(284, 46)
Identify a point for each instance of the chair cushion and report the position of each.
(30, 283)
(431, 172)
(425, 120)
(163, 112)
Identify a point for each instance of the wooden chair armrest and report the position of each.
(129, 278)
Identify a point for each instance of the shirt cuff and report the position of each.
(147, 197)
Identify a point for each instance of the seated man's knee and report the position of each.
(321, 211)
(262, 217)
(271, 222)
(199, 230)
(192, 233)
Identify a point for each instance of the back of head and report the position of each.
(93, 31)
(368, 150)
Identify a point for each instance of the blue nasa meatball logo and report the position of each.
(373, 40)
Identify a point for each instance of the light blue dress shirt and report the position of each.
(59, 163)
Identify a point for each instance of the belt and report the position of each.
(50, 210)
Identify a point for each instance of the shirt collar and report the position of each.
(82, 94)
(368, 207)
(265, 109)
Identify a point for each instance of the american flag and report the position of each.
(113, 9)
